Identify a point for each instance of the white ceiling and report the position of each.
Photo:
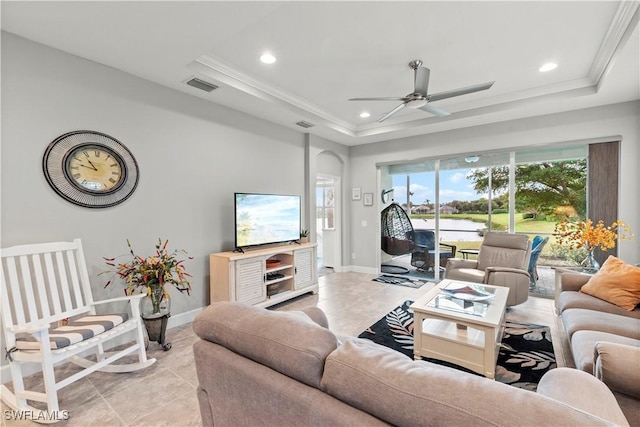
(330, 51)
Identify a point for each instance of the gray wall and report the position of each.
(608, 123)
(192, 156)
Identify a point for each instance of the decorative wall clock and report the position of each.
(90, 169)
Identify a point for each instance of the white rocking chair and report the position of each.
(46, 299)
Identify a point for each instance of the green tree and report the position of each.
(540, 187)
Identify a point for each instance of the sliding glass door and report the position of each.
(519, 192)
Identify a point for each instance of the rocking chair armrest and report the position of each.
(118, 299)
(36, 327)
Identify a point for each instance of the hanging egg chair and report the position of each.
(397, 231)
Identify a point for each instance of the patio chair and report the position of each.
(423, 258)
(49, 317)
(503, 260)
(537, 245)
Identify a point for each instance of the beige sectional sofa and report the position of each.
(261, 367)
(605, 341)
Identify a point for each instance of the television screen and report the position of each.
(266, 218)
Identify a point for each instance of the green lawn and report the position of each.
(501, 222)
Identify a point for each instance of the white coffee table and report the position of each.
(465, 333)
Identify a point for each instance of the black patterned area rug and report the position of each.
(401, 281)
(526, 352)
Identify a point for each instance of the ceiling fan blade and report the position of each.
(392, 112)
(379, 99)
(457, 92)
(421, 80)
(434, 110)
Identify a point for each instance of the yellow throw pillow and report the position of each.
(617, 282)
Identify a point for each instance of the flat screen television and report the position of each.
(261, 219)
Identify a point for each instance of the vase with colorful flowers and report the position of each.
(150, 275)
(590, 235)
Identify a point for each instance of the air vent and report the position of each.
(304, 124)
(202, 85)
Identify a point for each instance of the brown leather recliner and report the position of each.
(503, 260)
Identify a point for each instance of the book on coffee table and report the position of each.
(467, 292)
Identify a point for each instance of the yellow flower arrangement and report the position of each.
(586, 234)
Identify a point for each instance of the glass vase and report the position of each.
(155, 304)
(590, 264)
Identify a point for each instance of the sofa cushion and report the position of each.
(583, 344)
(288, 342)
(580, 319)
(573, 299)
(617, 282)
(388, 385)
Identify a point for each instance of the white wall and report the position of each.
(192, 156)
(618, 121)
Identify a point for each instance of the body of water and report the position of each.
(451, 230)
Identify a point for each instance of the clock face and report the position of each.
(90, 169)
(94, 168)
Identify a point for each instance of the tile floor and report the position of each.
(164, 394)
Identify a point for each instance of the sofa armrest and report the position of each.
(317, 315)
(461, 263)
(567, 385)
(506, 270)
(500, 275)
(573, 281)
(618, 366)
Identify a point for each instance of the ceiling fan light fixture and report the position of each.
(417, 103)
(549, 66)
(472, 159)
(267, 58)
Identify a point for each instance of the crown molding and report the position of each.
(620, 29)
(213, 67)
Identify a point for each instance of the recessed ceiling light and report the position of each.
(364, 115)
(268, 58)
(548, 67)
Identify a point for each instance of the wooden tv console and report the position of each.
(264, 276)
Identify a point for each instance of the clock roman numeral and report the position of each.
(96, 153)
(111, 180)
(86, 154)
(76, 175)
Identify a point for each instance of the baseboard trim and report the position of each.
(174, 321)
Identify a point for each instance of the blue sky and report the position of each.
(453, 186)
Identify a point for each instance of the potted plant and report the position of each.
(304, 236)
(150, 275)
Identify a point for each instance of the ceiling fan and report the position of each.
(420, 98)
